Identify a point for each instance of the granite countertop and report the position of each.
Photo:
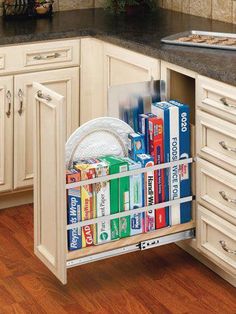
(141, 34)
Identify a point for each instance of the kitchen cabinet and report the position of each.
(64, 81)
(78, 83)
(6, 133)
(53, 63)
(105, 65)
(122, 66)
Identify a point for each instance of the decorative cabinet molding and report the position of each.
(216, 190)
(6, 133)
(216, 239)
(216, 140)
(216, 98)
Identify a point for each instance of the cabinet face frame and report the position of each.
(91, 80)
(6, 133)
(69, 77)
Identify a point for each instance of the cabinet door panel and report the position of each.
(66, 83)
(6, 134)
(49, 195)
(122, 66)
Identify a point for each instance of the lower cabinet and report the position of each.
(216, 239)
(6, 133)
(105, 65)
(63, 81)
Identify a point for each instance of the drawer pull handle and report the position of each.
(43, 96)
(8, 95)
(226, 249)
(224, 102)
(226, 198)
(51, 56)
(226, 147)
(20, 95)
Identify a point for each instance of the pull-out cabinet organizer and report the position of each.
(50, 197)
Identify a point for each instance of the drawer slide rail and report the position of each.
(144, 245)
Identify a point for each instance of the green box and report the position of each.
(119, 197)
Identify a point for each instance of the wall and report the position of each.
(222, 10)
(72, 4)
(77, 4)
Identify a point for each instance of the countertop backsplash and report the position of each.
(221, 10)
(63, 5)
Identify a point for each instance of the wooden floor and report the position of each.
(161, 280)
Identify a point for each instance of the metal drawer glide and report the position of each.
(183, 235)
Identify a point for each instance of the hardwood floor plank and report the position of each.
(148, 300)
(40, 293)
(14, 308)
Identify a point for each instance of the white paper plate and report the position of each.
(98, 137)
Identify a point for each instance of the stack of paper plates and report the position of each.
(98, 137)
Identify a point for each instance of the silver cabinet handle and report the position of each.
(8, 95)
(43, 96)
(226, 147)
(51, 56)
(20, 95)
(225, 248)
(224, 102)
(226, 198)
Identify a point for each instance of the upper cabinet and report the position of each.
(6, 133)
(65, 82)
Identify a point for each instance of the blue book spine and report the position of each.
(73, 216)
(185, 147)
(143, 129)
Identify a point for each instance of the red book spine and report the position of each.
(156, 146)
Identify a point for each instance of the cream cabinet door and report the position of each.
(104, 65)
(122, 66)
(6, 133)
(66, 83)
(50, 220)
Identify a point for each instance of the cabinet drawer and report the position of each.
(39, 56)
(217, 190)
(217, 98)
(48, 55)
(216, 140)
(216, 239)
